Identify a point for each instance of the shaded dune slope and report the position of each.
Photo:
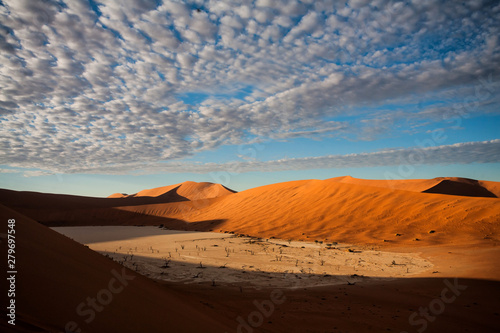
(470, 188)
(57, 210)
(56, 274)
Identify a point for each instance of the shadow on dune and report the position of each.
(37, 200)
(386, 305)
(67, 210)
(464, 187)
(348, 303)
(114, 216)
(114, 233)
(56, 276)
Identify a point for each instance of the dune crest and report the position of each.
(188, 190)
(440, 185)
(118, 195)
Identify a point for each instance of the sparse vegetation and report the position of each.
(166, 264)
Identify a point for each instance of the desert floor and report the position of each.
(200, 257)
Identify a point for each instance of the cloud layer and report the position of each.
(407, 159)
(90, 86)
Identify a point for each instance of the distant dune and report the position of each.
(440, 185)
(56, 209)
(57, 274)
(188, 190)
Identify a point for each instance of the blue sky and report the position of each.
(116, 96)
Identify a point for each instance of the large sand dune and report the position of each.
(326, 209)
(186, 190)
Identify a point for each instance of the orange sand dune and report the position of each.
(327, 209)
(493, 187)
(188, 190)
(56, 274)
(414, 185)
(441, 185)
(118, 195)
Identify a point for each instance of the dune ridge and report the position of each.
(440, 185)
(188, 190)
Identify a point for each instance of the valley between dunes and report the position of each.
(451, 224)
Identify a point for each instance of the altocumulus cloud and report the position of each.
(461, 153)
(88, 85)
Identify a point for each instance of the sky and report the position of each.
(98, 97)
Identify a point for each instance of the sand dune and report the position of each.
(441, 185)
(341, 212)
(188, 190)
(56, 274)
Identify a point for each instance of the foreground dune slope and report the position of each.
(56, 275)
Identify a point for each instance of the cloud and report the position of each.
(2, 170)
(425, 154)
(88, 87)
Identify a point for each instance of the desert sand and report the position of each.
(446, 229)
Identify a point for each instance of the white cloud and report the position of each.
(426, 154)
(79, 90)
